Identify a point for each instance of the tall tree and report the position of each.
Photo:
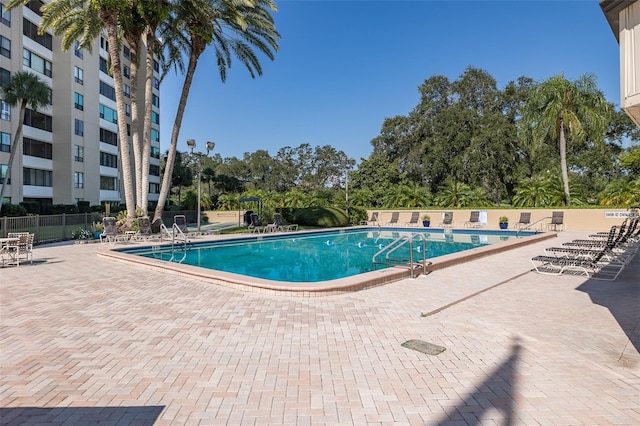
(558, 109)
(24, 90)
(229, 27)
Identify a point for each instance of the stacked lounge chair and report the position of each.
(599, 257)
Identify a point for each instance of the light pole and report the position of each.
(191, 143)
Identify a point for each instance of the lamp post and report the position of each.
(191, 143)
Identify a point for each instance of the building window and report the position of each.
(5, 15)
(79, 127)
(155, 117)
(155, 100)
(108, 114)
(5, 142)
(126, 71)
(108, 183)
(156, 83)
(78, 75)
(4, 169)
(104, 66)
(126, 89)
(35, 6)
(38, 120)
(156, 66)
(155, 152)
(78, 101)
(37, 177)
(126, 53)
(107, 91)
(5, 47)
(108, 160)
(155, 135)
(104, 44)
(127, 110)
(30, 30)
(78, 153)
(78, 180)
(36, 63)
(77, 50)
(108, 137)
(5, 76)
(5, 111)
(154, 188)
(154, 170)
(36, 148)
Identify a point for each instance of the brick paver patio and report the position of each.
(86, 339)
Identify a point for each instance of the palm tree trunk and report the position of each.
(14, 149)
(196, 51)
(563, 164)
(110, 18)
(134, 46)
(146, 126)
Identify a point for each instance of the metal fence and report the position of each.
(61, 227)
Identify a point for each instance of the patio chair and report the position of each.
(598, 266)
(394, 218)
(280, 224)
(557, 221)
(415, 216)
(144, 229)
(474, 220)
(24, 245)
(373, 220)
(447, 220)
(256, 224)
(525, 220)
(180, 223)
(110, 233)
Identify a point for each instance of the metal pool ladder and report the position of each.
(391, 249)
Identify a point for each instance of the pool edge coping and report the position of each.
(322, 288)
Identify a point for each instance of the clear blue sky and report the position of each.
(345, 66)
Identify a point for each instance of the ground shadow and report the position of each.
(80, 415)
(497, 393)
(621, 297)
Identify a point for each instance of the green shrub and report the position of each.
(357, 214)
(13, 210)
(64, 208)
(322, 217)
(32, 207)
(84, 207)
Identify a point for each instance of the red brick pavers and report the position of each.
(85, 339)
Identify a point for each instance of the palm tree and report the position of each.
(83, 20)
(454, 193)
(621, 192)
(559, 109)
(23, 89)
(537, 191)
(230, 27)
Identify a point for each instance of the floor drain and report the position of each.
(424, 347)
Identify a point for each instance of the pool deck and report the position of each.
(85, 338)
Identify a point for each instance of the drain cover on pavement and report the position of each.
(424, 347)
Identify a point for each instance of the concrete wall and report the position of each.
(574, 219)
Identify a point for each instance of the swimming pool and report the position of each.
(310, 262)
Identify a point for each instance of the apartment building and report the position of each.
(624, 19)
(69, 152)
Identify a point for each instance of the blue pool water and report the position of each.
(317, 256)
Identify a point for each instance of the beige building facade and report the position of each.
(624, 18)
(69, 152)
